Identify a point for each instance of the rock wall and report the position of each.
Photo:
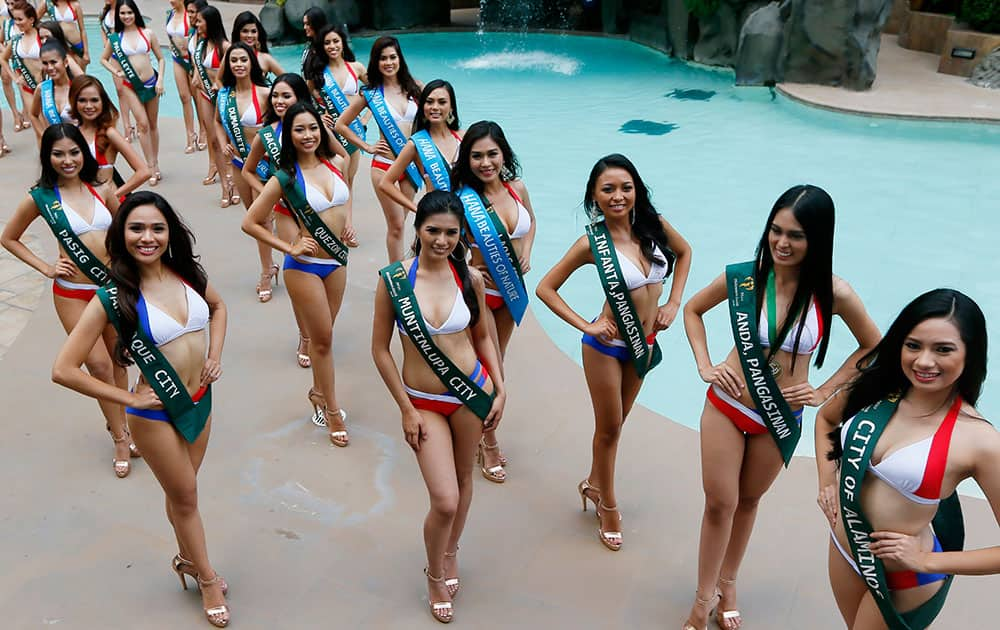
(284, 23)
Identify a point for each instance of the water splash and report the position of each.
(535, 60)
(648, 127)
(691, 95)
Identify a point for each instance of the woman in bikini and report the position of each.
(160, 301)
(441, 428)
(92, 108)
(179, 30)
(248, 29)
(792, 294)
(630, 236)
(287, 90)
(240, 104)
(334, 76)
(50, 104)
(389, 82)
(23, 53)
(69, 16)
(905, 433)
(8, 33)
(207, 47)
(130, 45)
(312, 21)
(487, 166)
(438, 131)
(68, 197)
(107, 23)
(315, 261)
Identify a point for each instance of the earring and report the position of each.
(170, 251)
(632, 216)
(451, 117)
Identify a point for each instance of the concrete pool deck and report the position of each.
(307, 534)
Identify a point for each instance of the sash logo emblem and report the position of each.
(747, 283)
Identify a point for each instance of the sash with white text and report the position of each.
(50, 111)
(294, 189)
(771, 405)
(229, 115)
(199, 66)
(335, 99)
(144, 93)
(393, 135)
(435, 166)
(18, 65)
(270, 137)
(408, 314)
(50, 207)
(187, 417)
(620, 300)
(178, 55)
(948, 524)
(497, 250)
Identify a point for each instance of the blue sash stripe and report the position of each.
(434, 164)
(49, 109)
(390, 130)
(336, 96)
(501, 267)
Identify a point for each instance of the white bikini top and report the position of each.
(68, 16)
(102, 161)
(252, 117)
(408, 116)
(812, 334)
(141, 47)
(65, 115)
(109, 19)
(100, 223)
(632, 274)
(523, 225)
(459, 317)
(163, 328)
(315, 197)
(34, 49)
(917, 470)
(182, 28)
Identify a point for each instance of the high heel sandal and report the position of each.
(155, 178)
(183, 567)
(727, 619)
(122, 466)
(452, 584)
(611, 540)
(270, 276)
(583, 487)
(234, 196)
(210, 178)
(496, 474)
(133, 135)
(218, 616)
(318, 402)
(302, 352)
(4, 148)
(192, 141)
(21, 124)
(441, 611)
(707, 603)
(338, 437)
(199, 141)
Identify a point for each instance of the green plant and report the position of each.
(982, 15)
(702, 8)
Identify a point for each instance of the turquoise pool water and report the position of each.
(916, 201)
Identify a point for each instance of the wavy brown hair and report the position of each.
(109, 113)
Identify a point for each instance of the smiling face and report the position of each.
(248, 35)
(146, 234)
(54, 65)
(388, 61)
(486, 159)
(21, 20)
(307, 29)
(786, 239)
(933, 355)
(199, 25)
(126, 14)
(614, 192)
(282, 97)
(66, 158)
(437, 107)
(192, 12)
(439, 234)
(306, 133)
(239, 63)
(333, 46)
(88, 103)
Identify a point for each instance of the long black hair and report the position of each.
(214, 31)
(256, 74)
(462, 175)
(51, 45)
(299, 88)
(317, 60)
(881, 373)
(50, 177)
(244, 19)
(316, 18)
(289, 155)
(813, 209)
(179, 258)
(139, 21)
(420, 122)
(55, 29)
(443, 202)
(646, 225)
(375, 78)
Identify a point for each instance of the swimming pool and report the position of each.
(915, 200)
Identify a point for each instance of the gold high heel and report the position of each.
(183, 567)
(122, 466)
(583, 487)
(441, 611)
(302, 352)
(338, 437)
(496, 474)
(452, 584)
(707, 603)
(611, 540)
(270, 276)
(727, 619)
(218, 616)
(318, 402)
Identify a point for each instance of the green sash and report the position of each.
(144, 93)
(19, 66)
(404, 302)
(620, 300)
(774, 411)
(50, 207)
(199, 65)
(176, 52)
(295, 195)
(271, 139)
(948, 524)
(187, 417)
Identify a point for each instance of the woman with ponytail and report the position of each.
(441, 425)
